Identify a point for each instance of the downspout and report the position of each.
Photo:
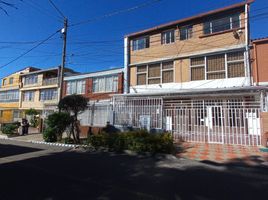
(256, 64)
(126, 65)
(247, 41)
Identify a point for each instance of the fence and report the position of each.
(224, 121)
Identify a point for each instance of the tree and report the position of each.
(74, 104)
(57, 123)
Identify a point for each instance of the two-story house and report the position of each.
(9, 96)
(193, 77)
(40, 89)
(98, 87)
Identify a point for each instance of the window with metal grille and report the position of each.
(9, 96)
(156, 73)
(31, 79)
(198, 68)
(168, 37)
(216, 66)
(220, 66)
(235, 64)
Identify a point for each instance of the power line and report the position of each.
(116, 12)
(38, 8)
(28, 51)
(56, 8)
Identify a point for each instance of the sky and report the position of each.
(96, 45)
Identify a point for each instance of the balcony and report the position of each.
(50, 81)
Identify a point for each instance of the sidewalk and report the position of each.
(26, 138)
(224, 153)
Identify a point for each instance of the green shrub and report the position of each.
(9, 129)
(58, 121)
(138, 141)
(50, 135)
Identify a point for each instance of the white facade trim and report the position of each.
(94, 74)
(203, 84)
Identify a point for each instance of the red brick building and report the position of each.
(98, 87)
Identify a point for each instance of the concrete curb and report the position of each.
(57, 144)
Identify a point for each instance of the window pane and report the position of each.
(235, 21)
(154, 81)
(197, 73)
(154, 70)
(168, 37)
(141, 79)
(215, 63)
(206, 28)
(235, 56)
(167, 65)
(142, 68)
(197, 61)
(167, 76)
(236, 69)
(217, 75)
(185, 32)
(221, 24)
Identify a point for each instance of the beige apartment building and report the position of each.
(193, 77)
(40, 90)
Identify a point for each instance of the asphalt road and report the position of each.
(29, 171)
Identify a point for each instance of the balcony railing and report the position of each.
(50, 81)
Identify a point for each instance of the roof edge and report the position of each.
(233, 6)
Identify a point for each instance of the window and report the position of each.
(11, 80)
(216, 66)
(222, 24)
(105, 84)
(235, 64)
(1, 113)
(198, 68)
(76, 87)
(48, 94)
(168, 37)
(28, 96)
(32, 79)
(140, 43)
(4, 81)
(9, 96)
(16, 114)
(186, 32)
(156, 73)
(220, 66)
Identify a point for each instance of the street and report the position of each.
(30, 171)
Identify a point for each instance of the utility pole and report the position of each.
(64, 35)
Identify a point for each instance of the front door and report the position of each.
(214, 123)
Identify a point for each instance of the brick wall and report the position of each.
(264, 128)
(98, 96)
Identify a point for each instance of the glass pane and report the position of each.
(235, 56)
(217, 75)
(197, 61)
(167, 65)
(206, 28)
(142, 68)
(154, 70)
(235, 21)
(221, 24)
(167, 76)
(141, 79)
(197, 73)
(183, 33)
(236, 70)
(215, 63)
(154, 81)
